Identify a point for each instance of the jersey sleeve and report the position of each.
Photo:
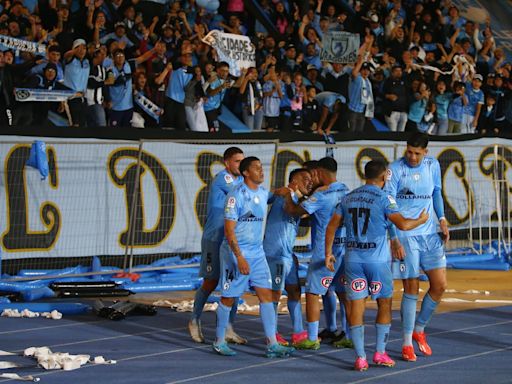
(438, 195)
(392, 179)
(389, 205)
(231, 207)
(312, 204)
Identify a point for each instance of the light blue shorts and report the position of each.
(284, 272)
(233, 283)
(425, 252)
(210, 260)
(319, 278)
(365, 279)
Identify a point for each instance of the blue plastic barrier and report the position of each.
(232, 122)
(36, 294)
(469, 258)
(484, 266)
(64, 308)
(160, 287)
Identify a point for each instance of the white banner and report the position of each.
(83, 206)
(22, 45)
(339, 47)
(28, 94)
(236, 50)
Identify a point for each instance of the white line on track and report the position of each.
(339, 350)
(402, 371)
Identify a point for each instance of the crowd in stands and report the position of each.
(420, 66)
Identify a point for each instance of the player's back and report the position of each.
(280, 230)
(413, 189)
(364, 217)
(221, 184)
(321, 207)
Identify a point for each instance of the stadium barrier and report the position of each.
(132, 204)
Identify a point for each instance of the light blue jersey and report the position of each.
(321, 207)
(248, 208)
(220, 186)
(415, 189)
(365, 211)
(280, 231)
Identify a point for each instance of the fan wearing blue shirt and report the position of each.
(320, 206)
(280, 234)
(213, 234)
(243, 258)
(414, 181)
(364, 213)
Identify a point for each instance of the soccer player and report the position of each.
(330, 333)
(213, 234)
(320, 206)
(364, 213)
(243, 259)
(280, 233)
(415, 182)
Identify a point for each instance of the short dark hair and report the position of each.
(329, 164)
(222, 64)
(231, 151)
(295, 172)
(310, 164)
(246, 163)
(418, 139)
(374, 169)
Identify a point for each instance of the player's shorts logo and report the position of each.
(358, 285)
(226, 285)
(326, 282)
(278, 280)
(402, 267)
(209, 268)
(375, 287)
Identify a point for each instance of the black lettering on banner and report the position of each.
(144, 237)
(367, 154)
(448, 158)
(357, 213)
(18, 236)
(496, 168)
(204, 169)
(284, 159)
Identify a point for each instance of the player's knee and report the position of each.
(227, 301)
(209, 285)
(438, 289)
(293, 292)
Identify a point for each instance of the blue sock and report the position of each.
(408, 312)
(313, 330)
(222, 322)
(295, 309)
(428, 307)
(234, 309)
(199, 302)
(344, 323)
(358, 339)
(276, 305)
(268, 317)
(382, 336)
(329, 302)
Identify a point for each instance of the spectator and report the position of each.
(252, 100)
(121, 99)
(76, 76)
(456, 108)
(472, 109)
(194, 102)
(396, 101)
(95, 94)
(272, 94)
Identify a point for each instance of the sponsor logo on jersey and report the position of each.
(389, 174)
(249, 216)
(408, 194)
(231, 202)
(358, 285)
(257, 200)
(392, 202)
(326, 281)
(375, 287)
(416, 176)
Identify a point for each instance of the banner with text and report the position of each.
(339, 47)
(236, 50)
(84, 205)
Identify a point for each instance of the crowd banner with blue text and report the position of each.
(29, 94)
(22, 45)
(339, 47)
(236, 50)
(83, 206)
